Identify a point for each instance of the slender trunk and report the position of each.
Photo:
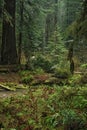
(56, 20)
(0, 8)
(47, 28)
(84, 13)
(55, 15)
(20, 33)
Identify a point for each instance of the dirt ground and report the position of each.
(9, 77)
(6, 94)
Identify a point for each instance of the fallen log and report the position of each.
(7, 87)
(80, 72)
(9, 68)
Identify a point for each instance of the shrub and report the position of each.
(41, 61)
(61, 73)
(24, 73)
(39, 71)
(83, 67)
(84, 79)
(75, 80)
(27, 79)
(72, 120)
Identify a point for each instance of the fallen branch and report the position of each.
(7, 87)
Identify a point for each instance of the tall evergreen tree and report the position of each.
(8, 47)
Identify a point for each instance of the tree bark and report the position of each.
(56, 20)
(84, 13)
(56, 15)
(47, 29)
(8, 47)
(20, 32)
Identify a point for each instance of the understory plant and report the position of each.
(46, 108)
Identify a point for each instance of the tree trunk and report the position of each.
(56, 15)
(8, 47)
(47, 29)
(1, 8)
(20, 32)
(84, 13)
(56, 20)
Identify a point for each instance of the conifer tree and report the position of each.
(8, 47)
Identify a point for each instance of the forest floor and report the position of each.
(13, 78)
(46, 108)
(7, 94)
(18, 83)
(9, 77)
(47, 103)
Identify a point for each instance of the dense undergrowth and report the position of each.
(59, 77)
(46, 108)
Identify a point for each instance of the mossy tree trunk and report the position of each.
(8, 47)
